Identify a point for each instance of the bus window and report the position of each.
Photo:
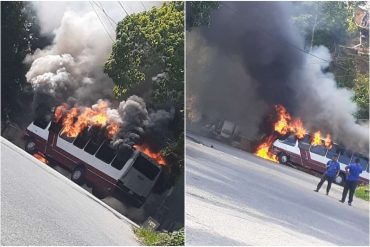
(345, 156)
(363, 161)
(319, 149)
(291, 140)
(93, 146)
(41, 123)
(106, 153)
(55, 127)
(146, 167)
(305, 142)
(66, 138)
(331, 152)
(121, 158)
(82, 139)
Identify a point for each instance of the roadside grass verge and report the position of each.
(363, 192)
(150, 237)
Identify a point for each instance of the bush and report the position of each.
(150, 237)
(363, 192)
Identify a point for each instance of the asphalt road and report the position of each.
(236, 198)
(39, 206)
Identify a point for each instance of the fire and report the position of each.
(328, 142)
(40, 158)
(282, 125)
(264, 149)
(286, 124)
(77, 119)
(156, 156)
(316, 139)
(59, 112)
(297, 128)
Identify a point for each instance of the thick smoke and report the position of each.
(252, 57)
(137, 123)
(73, 65)
(71, 70)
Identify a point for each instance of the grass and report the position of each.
(363, 192)
(150, 237)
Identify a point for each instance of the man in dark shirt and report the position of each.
(332, 171)
(353, 170)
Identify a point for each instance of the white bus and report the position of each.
(302, 153)
(93, 161)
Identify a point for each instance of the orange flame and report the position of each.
(328, 142)
(297, 128)
(59, 112)
(156, 156)
(41, 158)
(264, 150)
(285, 124)
(282, 125)
(75, 122)
(316, 139)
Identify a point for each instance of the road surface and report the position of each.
(236, 198)
(39, 206)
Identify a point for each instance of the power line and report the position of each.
(123, 7)
(110, 19)
(271, 36)
(101, 22)
(143, 5)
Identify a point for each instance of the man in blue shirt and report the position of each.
(332, 171)
(353, 173)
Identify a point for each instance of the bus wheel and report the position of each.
(283, 158)
(77, 175)
(30, 147)
(99, 192)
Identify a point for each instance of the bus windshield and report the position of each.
(146, 167)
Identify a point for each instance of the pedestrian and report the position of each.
(353, 172)
(332, 171)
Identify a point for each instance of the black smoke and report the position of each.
(252, 57)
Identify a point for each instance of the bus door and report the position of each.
(304, 149)
(52, 137)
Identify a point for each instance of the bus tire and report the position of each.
(78, 175)
(283, 158)
(30, 147)
(98, 192)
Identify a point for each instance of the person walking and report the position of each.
(332, 171)
(353, 170)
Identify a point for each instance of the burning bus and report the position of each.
(315, 156)
(88, 154)
(289, 141)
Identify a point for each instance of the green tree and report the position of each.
(325, 23)
(21, 35)
(149, 53)
(15, 44)
(362, 95)
(148, 59)
(198, 13)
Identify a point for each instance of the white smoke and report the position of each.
(325, 106)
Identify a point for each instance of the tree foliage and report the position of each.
(331, 21)
(148, 59)
(21, 36)
(362, 95)
(150, 44)
(198, 13)
(15, 44)
(331, 24)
